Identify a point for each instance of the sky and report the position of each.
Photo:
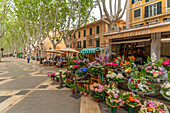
(96, 12)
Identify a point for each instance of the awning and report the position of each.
(132, 41)
(89, 50)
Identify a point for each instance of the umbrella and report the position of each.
(70, 50)
(55, 51)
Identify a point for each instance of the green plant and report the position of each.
(169, 76)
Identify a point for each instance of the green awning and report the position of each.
(89, 50)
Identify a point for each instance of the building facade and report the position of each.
(145, 12)
(148, 29)
(91, 36)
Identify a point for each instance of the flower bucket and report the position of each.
(85, 94)
(112, 70)
(113, 109)
(96, 100)
(130, 109)
(112, 83)
(57, 80)
(73, 91)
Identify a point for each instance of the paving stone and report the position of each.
(3, 98)
(23, 92)
(23, 83)
(2, 79)
(55, 83)
(47, 101)
(43, 86)
(15, 74)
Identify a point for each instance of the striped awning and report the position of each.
(89, 50)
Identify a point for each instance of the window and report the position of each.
(98, 42)
(152, 22)
(79, 34)
(154, 9)
(84, 33)
(84, 43)
(137, 13)
(97, 30)
(166, 19)
(79, 44)
(139, 25)
(168, 3)
(134, 1)
(90, 42)
(74, 36)
(74, 45)
(90, 31)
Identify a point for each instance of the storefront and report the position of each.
(141, 41)
(91, 53)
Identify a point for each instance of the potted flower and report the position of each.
(114, 101)
(152, 106)
(69, 82)
(95, 71)
(111, 90)
(85, 89)
(114, 78)
(97, 92)
(52, 76)
(111, 66)
(131, 100)
(166, 64)
(57, 75)
(141, 85)
(72, 86)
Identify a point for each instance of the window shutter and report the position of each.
(159, 8)
(146, 0)
(146, 12)
(133, 1)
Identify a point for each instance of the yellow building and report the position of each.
(148, 28)
(144, 12)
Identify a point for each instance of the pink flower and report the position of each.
(114, 64)
(96, 90)
(48, 75)
(137, 101)
(155, 67)
(74, 61)
(131, 93)
(121, 104)
(75, 66)
(159, 73)
(167, 62)
(111, 100)
(161, 69)
(154, 71)
(80, 61)
(115, 95)
(100, 90)
(92, 88)
(147, 71)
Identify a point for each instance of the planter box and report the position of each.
(124, 85)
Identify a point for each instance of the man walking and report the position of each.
(28, 58)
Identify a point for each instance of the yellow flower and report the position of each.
(155, 75)
(127, 100)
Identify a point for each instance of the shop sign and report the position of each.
(132, 33)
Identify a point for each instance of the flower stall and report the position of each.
(119, 82)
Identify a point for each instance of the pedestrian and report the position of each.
(28, 58)
(31, 59)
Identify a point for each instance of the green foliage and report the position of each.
(148, 59)
(169, 76)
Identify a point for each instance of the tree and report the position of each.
(114, 15)
(67, 16)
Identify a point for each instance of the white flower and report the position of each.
(153, 56)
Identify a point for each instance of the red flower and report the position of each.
(121, 63)
(138, 73)
(132, 65)
(80, 85)
(138, 81)
(124, 67)
(150, 87)
(68, 80)
(132, 80)
(85, 87)
(147, 81)
(116, 58)
(125, 58)
(113, 59)
(136, 85)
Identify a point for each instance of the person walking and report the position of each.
(28, 58)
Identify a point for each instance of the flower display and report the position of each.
(155, 72)
(113, 77)
(51, 75)
(111, 90)
(165, 90)
(57, 75)
(114, 100)
(97, 91)
(131, 99)
(77, 62)
(151, 106)
(141, 85)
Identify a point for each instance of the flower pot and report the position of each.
(130, 109)
(96, 77)
(113, 109)
(96, 100)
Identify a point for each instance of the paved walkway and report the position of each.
(25, 88)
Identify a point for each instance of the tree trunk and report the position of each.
(0, 56)
(112, 27)
(41, 50)
(36, 54)
(54, 46)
